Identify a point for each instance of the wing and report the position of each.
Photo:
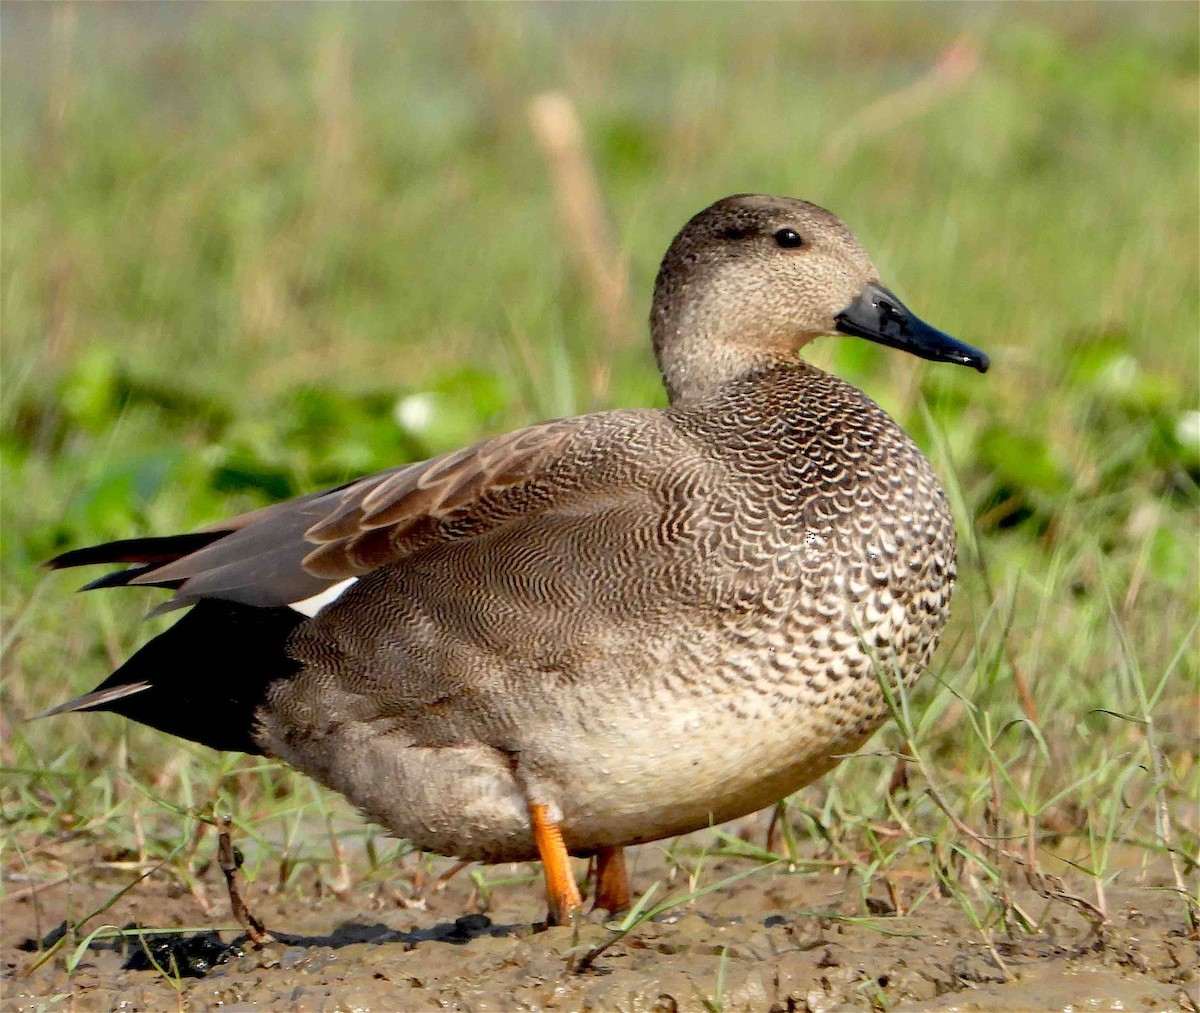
(291, 551)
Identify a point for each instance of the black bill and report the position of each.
(877, 315)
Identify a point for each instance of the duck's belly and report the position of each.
(670, 770)
(705, 742)
(697, 762)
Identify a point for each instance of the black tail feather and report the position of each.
(204, 678)
(152, 551)
(96, 700)
(120, 578)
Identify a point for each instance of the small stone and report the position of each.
(292, 956)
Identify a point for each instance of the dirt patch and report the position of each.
(774, 941)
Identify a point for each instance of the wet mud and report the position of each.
(774, 941)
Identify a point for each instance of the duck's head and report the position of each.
(752, 278)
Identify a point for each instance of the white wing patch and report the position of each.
(311, 606)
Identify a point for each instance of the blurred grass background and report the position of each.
(248, 251)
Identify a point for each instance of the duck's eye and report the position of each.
(789, 239)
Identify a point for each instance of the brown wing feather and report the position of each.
(293, 550)
(369, 530)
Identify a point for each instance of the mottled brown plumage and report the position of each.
(637, 622)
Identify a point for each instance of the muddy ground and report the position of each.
(773, 941)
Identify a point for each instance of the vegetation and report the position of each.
(250, 252)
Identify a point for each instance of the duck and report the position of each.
(598, 631)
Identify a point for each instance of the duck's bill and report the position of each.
(877, 315)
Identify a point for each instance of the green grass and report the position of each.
(235, 240)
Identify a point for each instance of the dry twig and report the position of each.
(230, 861)
(585, 223)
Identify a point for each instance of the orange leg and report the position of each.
(612, 881)
(561, 891)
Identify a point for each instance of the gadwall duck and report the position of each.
(597, 631)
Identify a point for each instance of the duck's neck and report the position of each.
(706, 333)
(699, 351)
(693, 368)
